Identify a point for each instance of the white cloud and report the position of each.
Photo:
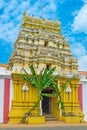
(53, 5)
(78, 49)
(8, 32)
(80, 25)
(2, 4)
(82, 61)
(24, 5)
(85, 1)
(75, 13)
(80, 20)
(11, 6)
(49, 8)
(11, 18)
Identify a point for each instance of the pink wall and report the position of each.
(6, 100)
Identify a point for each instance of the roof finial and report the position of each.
(24, 17)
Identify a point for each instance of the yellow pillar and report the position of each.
(76, 93)
(20, 106)
(73, 95)
(14, 87)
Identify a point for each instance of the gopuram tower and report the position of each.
(41, 44)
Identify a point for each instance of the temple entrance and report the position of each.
(47, 103)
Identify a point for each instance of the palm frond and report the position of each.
(25, 77)
(66, 83)
(32, 70)
(29, 78)
(50, 72)
(43, 76)
(49, 81)
(46, 94)
(49, 95)
(34, 76)
(46, 75)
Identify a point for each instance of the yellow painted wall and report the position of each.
(55, 107)
(71, 104)
(22, 101)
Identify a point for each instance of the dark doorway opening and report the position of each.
(47, 102)
(46, 105)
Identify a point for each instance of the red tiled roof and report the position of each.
(82, 73)
(3, 65)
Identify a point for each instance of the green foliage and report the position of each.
(43, 81)
(48, 95)
(32, 79)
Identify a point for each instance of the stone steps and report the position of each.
(50, 117)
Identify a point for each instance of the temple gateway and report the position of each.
(41, 44)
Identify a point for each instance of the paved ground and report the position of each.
(48, 128)
(56, 125)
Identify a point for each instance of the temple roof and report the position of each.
(32, 21)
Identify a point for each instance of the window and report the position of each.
(31, 53)
(26, 39)
(48, 66)
(46, 43)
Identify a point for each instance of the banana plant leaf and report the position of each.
(48, 95)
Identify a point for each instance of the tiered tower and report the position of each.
(41, 44)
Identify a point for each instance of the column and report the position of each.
(14, 87)
(76, 94)
(59, 99)
(40, 108)
(20, 91)
(64, 96)
(72, 93)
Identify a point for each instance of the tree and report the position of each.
(43, 81)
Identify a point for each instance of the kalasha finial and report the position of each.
(24, 17)
(25, 14)
(56, 20)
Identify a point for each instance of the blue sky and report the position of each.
(72, 15)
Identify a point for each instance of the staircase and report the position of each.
(50, 117)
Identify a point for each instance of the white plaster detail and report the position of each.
(40, 108)
(68, 90)
(25, 90)
(25, 87)
(1, 99)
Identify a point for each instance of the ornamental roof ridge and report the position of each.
(27, 18)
